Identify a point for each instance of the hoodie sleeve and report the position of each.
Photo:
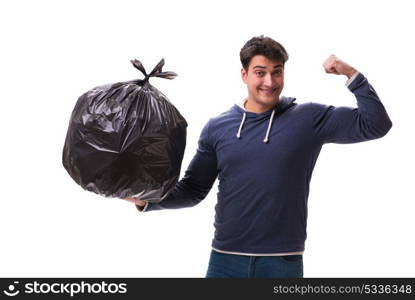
(197, 181)
(352, 125)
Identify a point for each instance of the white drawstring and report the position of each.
(238, 135)
(269, 126)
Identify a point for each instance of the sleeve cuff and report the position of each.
(350, 80)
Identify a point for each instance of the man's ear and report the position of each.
(244, 74)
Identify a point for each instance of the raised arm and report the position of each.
(349, 124)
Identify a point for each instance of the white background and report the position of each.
(361, 202)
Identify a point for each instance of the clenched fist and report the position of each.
(335, 65)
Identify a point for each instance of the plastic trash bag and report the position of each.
(126, 139)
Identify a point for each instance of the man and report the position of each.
(263, 151)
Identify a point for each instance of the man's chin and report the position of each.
(268, 101)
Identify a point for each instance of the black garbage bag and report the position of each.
(126, 139)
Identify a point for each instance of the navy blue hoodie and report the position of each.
(264, 162)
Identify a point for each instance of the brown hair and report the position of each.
(261, 45)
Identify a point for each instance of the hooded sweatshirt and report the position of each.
(264, 163)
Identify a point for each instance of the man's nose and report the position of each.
(268, 80)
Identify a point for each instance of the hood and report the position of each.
(283, 104)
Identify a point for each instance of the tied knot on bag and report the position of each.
(157, 71)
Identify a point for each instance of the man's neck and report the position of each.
(255, 107)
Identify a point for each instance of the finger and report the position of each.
(330, 69)
(328, 65)
(330, 59)
(141, 203)
(131, 199)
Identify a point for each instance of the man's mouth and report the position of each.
(268, 91)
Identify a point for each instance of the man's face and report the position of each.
(265, 80)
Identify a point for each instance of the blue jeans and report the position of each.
(243, 266)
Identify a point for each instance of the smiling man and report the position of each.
(263, 151)
(265, 81)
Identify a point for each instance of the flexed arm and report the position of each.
(349, 124)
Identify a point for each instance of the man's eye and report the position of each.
(259, 73)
